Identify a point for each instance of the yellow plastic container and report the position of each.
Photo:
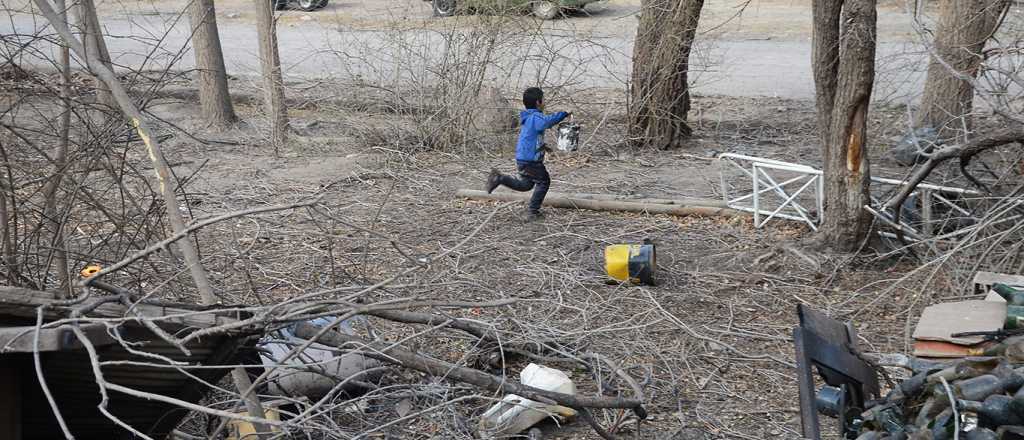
(633, 263)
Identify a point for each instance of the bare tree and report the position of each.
(213, 81)
(270, 62)
(660, 93)
(963, 28)
(92, 39)
(843, 61)
(167, 190)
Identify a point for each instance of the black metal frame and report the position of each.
(826, 344)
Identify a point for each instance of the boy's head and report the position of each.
(533, 98)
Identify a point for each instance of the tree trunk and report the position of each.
(660, 93)
(271, 64)
(96, 46)
(964, 27)
(213, 81)
(843, 60)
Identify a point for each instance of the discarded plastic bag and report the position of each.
(316, 370)
(568, 139)
(514, 414)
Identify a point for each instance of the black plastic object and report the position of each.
(827, 345)
(907, 151)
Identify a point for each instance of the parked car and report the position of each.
(544, 9)
(302, 5)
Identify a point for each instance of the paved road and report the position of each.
(310, 49)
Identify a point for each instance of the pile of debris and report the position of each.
(970, 398)
(966, 376)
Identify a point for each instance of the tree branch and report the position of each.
(409, 359)
(965, 150)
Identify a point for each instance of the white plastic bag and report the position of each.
(514, 414)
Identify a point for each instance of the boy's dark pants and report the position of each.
(532, 175)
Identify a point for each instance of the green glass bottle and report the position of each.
(994, 411)
(1013, 296)
(1014, 317)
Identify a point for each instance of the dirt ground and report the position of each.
(711, 342)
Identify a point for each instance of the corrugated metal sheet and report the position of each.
(70, 378)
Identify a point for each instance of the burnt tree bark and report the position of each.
(963, 28)
(660, 92)
(273, 84)
(843, 61)
(213, 80)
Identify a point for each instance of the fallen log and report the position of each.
(604, 202)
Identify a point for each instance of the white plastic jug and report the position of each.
(515, 414)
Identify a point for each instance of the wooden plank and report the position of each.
(21, 339)
(16, 301)
(983, 281)
(557, 200)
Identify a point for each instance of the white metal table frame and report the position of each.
(762, 182)
(758, 169)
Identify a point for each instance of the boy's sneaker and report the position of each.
(492, 181)
(532, 216)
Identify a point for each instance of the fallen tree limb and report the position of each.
(409, 359)
(650, 206)
(686, 201)
(465, 325)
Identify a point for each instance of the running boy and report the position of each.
(530, 153)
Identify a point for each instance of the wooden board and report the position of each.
(21, 339)
(16, 301)
(558, 200)
(946, 350)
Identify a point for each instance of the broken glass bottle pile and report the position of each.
(969, 398)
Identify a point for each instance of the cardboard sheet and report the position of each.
(940, 321)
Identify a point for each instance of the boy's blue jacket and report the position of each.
(533, 122)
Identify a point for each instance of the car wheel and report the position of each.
(279, 5)
(308, 5)
(444, 8)
(545, 10)
(574, 11)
